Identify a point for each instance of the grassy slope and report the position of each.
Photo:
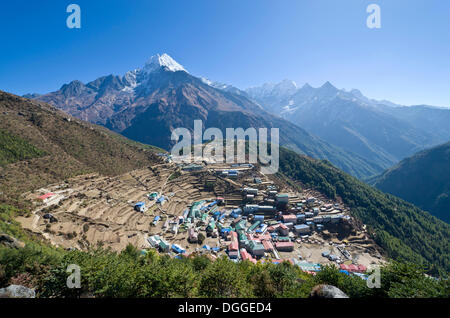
(423, 179)
(403, 230)
(13, 149)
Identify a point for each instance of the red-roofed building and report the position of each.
(46, 197)
(234, 236)
(246, 256)
(263, 237)
(352, 268)
(344, 267)
(362, 268)
(268, 246)
(283, 229)
(233, 246)
(285, 246)
(289, 218)
(273, 228)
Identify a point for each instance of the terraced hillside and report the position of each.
(98, 210)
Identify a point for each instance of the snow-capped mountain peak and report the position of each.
(287, 84)
(284, 88)
(162, 61)
(207, 81)
(328, 85)
(130, 81)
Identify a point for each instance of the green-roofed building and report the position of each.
(195, 209)
(256, 248)
(254, 226)
(241, 225)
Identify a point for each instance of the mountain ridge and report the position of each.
(147, 105)
(377, 130)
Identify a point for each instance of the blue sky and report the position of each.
(241, 42)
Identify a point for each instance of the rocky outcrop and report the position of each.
(10, 241)
(17, 291)
(327, 291)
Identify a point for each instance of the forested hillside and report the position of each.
(403, 230)
(14, 149)
(423, 179)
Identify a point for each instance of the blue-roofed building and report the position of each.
(302, 229)
(140, 206)
(309, 267)
(178, 249)
(161, 200)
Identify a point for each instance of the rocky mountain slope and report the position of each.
(41, 145)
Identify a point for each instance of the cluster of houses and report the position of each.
(256, 232)
(272, 227)
(262, 227)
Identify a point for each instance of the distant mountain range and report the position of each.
(146, 104)
(361, 136)
(423, 179)
(379, 131)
